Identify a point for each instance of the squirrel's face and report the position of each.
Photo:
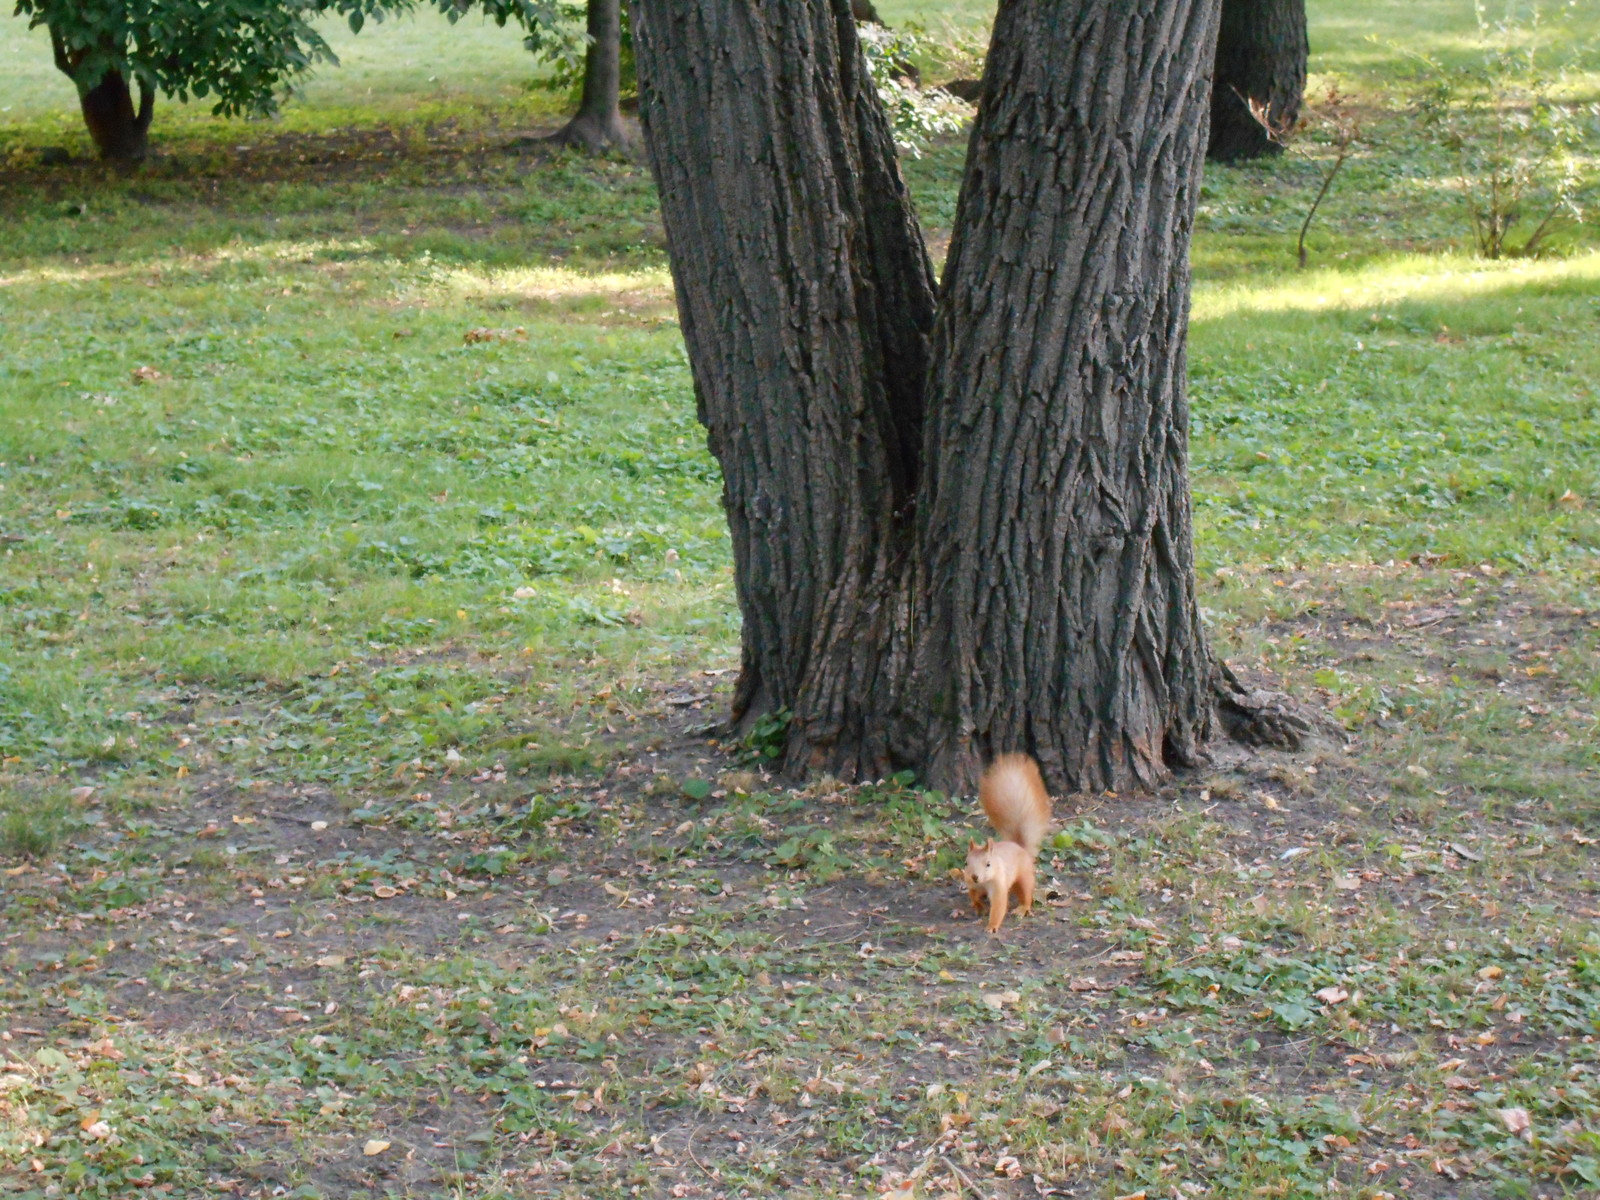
(980, 862)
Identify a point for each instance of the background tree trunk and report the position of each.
(598, 123)
(806, 298)
(1262, 54)
(1058, 606)
(120, 132)
(941, 555)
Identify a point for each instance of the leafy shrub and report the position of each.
(917, 114)
(1522, 170)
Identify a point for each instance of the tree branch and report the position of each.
(147, 104)
(64, 62)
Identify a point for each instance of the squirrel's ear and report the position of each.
(971, 845)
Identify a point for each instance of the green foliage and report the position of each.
(240, 54)
(1523, 144)
(917, 115)
(768, 736)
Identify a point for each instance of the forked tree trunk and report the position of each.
(1262, 55)
(120, 132)
(598, 123)
(941, 555)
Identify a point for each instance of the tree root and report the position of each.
(1256, 717)
(593, 133)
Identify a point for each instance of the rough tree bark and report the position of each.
(598, 123)
(1058, 602)
(806, 298)
(951, 548)
(120, 132)
(1262, 55)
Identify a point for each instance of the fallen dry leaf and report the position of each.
(1333, 995)
(374, 1147)
(1517, 1121)
(1008, 1166)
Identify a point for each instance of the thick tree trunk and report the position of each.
(1057, 604)
(120, 132)
(945, 552)
(806, 298)
(1262, 54)
(598, 124)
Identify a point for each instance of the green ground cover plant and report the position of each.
(365, 599)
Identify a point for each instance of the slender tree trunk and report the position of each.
(945, 551)
(1058, 607)
(598, 124)
(1262, 55)
(119, 130)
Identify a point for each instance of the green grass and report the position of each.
(363, 588)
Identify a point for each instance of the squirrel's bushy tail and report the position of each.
(1015, 801)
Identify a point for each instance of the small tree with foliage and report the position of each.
(239, 53)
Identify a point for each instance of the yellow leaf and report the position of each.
(374, 1148)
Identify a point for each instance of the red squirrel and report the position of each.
(1018, 807)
